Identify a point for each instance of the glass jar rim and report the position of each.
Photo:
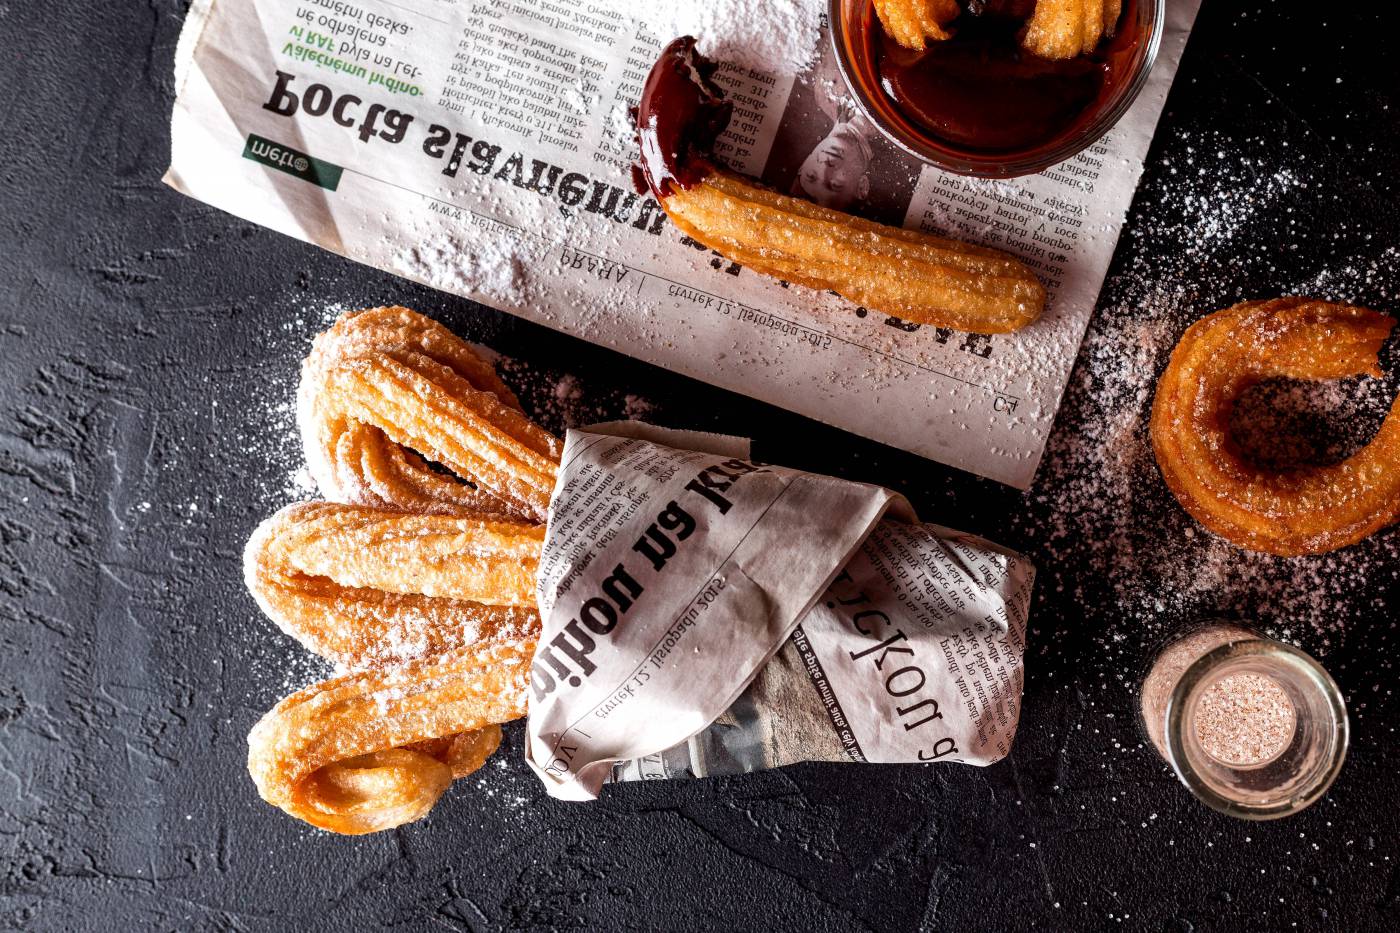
(992, 165)
(1178, 706)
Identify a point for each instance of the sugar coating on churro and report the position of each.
(1306, 510)
(419, 583)
(396, 411)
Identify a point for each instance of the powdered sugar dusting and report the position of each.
(270, 434)
(1111, 522)
(776, 36)
(489, 266)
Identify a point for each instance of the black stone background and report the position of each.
(144, 337)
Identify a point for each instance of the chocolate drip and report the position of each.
(678, 118)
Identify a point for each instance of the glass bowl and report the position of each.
(850, 24)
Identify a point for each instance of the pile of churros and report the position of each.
(416, 577)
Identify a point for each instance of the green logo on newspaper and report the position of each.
(286, 159)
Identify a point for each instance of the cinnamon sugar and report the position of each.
(1244, 719)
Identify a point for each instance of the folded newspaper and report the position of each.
(707, 614)
(484, 149)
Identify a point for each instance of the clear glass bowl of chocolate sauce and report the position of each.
(978, 104)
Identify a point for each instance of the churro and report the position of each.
(912, 22)
(339, 754)
(1062, 29)
(397, 412)
(915, 276)
(364, 586)
(419, 583)
(1308, 510)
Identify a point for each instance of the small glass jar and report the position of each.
(850, 30)
(1253, 727)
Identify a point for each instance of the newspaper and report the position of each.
(484, 149)
(707, 614)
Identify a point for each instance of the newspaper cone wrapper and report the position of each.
(707, 614)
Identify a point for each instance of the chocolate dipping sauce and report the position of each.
(980, 91)
(680, 114)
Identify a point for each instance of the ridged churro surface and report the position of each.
(418, 581)
(396, 411)
(914, 276)
(339, 754)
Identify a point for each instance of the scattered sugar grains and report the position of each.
(270, 433)
(1104, 523)
(776, 36)
(491, 266)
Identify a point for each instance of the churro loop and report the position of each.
(366, 587)
(381, 790)
(397, 412)
(912, 22)
(1308, 510)
(338, 754)
(362, 586)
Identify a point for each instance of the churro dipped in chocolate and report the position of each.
(1060, 29)
(914, 276)
(913, 23)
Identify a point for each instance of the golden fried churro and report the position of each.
(362, 586)
(421, 581)
(388, 396)
(463, 753)
(915, 276)
(1062, 29)
(911, 22)
(1309, 510)
(339, 754)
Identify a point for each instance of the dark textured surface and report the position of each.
(146, 342)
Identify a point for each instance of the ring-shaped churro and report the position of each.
(1308, 510)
